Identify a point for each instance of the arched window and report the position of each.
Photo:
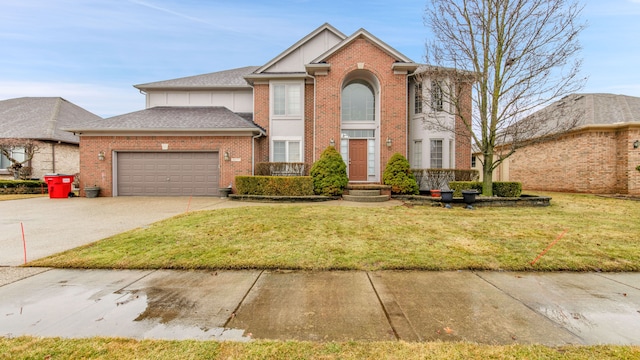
(358, 102)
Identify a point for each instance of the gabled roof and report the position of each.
(201, 119)
(231, 79)
(365, 34)
(42, 118)
(300, 43)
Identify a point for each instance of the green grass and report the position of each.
(107, 348)
(601, 234)
(5, 197)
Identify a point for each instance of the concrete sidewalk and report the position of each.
(484, 307)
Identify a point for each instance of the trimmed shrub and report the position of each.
(22, 187)
(500, 188)
(458, 186)
(399, 176)
(274, 185)
(329, 173)
(507, 189)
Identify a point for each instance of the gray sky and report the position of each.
(91, 52)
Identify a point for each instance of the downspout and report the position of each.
(253, 153)
(408, 112)
(314, 116)
(53, 158)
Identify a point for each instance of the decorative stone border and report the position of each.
(481, 201)
(292, 199)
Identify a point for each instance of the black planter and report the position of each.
(469, 197)
(446, 195)
(91, 191)
(224, 192)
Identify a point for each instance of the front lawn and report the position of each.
(108, 348)
(601, 234)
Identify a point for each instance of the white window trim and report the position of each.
(272, 85)
(417, 144)
(442, 153)
(287, 140)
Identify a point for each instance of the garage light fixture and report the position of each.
(636, 144)
(101, 156)
(388, 142)
(226, 156)
(332, 142)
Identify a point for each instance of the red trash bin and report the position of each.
(59, 186)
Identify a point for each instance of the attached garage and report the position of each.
(167, 173)
(167, 151)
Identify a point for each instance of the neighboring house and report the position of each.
(197, 133)
(598, 156)
(42, 119)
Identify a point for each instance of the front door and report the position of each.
(358, 159)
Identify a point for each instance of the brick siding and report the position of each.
(393, 97)
(598, 160)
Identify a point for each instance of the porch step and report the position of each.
(364, 192)
(366, 198)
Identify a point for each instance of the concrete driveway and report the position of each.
(54, 225)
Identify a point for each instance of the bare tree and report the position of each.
(522, 54)
(29, 146)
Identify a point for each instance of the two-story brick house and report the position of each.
(197, 133)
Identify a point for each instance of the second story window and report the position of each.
(437, 96)
(417, 99)
(287, 100)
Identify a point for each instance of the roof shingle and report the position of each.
(233, 78)
(204, 118)
(42, 118)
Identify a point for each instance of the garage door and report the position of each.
(167, 173)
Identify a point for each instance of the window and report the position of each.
(436, 154)
(416, 161)
(436, 96)
(358, 102)
(16, 153)
(286, 151)
(473, 161)
(371, 152)
(287, 99)
(417, 99)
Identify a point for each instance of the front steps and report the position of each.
(367, 193)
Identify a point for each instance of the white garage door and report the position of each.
(167, 173)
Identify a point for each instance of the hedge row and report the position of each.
(500, 188)
(274, 185)
(22, 187)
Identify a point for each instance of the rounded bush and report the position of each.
(329, 173)
(398, 174)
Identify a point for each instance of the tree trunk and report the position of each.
(487, 176)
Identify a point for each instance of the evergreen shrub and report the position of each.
(329, 173)
(399, 176)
